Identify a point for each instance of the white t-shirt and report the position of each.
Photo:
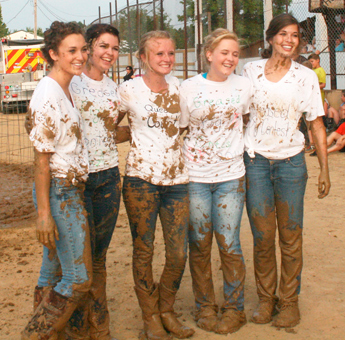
(155, 155)
(58, 129)
(98, 103)
(213, 147)
(276, 108)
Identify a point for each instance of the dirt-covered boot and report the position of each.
(168, 317)
(231, 321)
(50, 317)
(153, 327)
(264, 311)
(206, 319)
(288, 316)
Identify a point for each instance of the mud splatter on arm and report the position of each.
(46, 230)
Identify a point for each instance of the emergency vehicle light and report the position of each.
(14, 95)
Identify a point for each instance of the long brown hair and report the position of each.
(276, 24)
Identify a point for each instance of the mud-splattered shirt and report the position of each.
(213, 148)
(58, 129)
(155, 154)
(276, 108)
(98, 103)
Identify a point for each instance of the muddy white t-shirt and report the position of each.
(58, 129)
(276, 108)
(98, 103)
(155, 154)
(213, 147)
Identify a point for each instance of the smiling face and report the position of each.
(223, 59)
(160, 56)
(286, 41)
(104, 53)
(71, 56)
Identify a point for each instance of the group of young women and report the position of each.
(196, 190)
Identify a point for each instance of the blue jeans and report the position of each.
(218, 208)
(69, 270)
(102, 202)
(144, 202)
(275, 195)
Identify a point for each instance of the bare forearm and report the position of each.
(318, 131)
(42, 182)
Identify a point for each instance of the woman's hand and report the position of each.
(324, 184)
(319, 135)
(46, 231)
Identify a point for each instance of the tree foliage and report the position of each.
(31, 30)
(248, 17)
(3, 28)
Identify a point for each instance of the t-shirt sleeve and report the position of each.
(46, 127)
(314, 106)
(184, 119)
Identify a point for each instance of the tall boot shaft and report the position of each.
(148, 302)
(50, 317)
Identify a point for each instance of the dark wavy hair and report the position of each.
(96, 30)
(276, 24)
(53, 36)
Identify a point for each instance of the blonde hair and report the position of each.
(143, 46)
(213, 40)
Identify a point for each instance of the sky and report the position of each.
(19, 14)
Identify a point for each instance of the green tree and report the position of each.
(248, 17)
(3, 28)
(39, 31)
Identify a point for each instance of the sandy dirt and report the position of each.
(322, 300)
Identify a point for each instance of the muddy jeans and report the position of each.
(102, 201)
(73, 251)
(144, 202)
(217, 207)
(275, 195)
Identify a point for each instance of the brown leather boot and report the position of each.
(206, 319)
(288, 316)
(231, 321)
(153, 327)
(264, 311)
(169, 320)
(77, 327)
(50, 317)
(39, 294)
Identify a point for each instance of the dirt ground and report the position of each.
(322, 300)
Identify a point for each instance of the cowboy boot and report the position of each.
(77, 327)
(50, 317)
(148, 302)
(168, 317)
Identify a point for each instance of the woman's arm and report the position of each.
(319, 135)
(46, 230)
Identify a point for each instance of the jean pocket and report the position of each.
(297, 161)
(248, 161)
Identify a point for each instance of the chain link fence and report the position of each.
(188, 21)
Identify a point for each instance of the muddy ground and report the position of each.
(322, 300)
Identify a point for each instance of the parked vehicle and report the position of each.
(21, 67)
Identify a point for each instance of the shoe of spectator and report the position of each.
(313, 154)
(309, 148)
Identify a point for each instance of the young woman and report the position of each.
(156, 183)
(212, 106)
(61, 168)
(276, 169)
(96, 98)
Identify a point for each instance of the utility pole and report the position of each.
(35, 19)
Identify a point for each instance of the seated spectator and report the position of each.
(338, 138)
(339, 46)
(331, 116)
(342, 109)
(129, 75)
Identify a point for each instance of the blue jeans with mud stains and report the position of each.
(102, 201)
(218, 208)
(275, 196)
(69, 269)
(144, 203)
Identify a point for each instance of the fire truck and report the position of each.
(21, 67)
